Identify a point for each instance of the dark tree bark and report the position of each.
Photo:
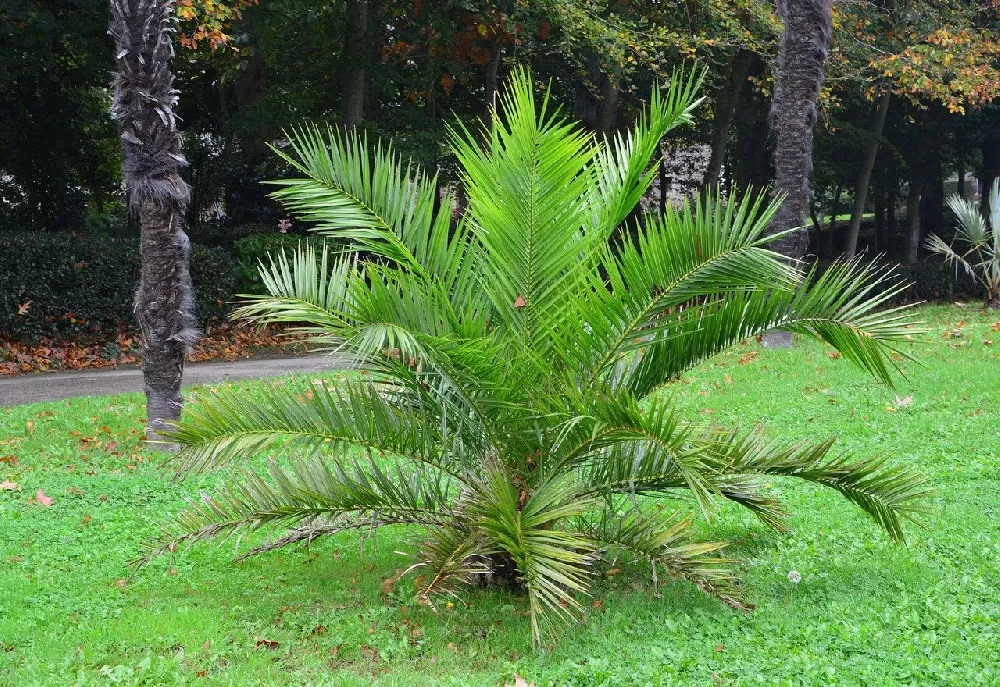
(991, 168)
(891, 198)
(725, 110)
(596, 98)
(143, 107)
(865, 175)
(801, 67)
(750, 163)
(800, 70)
(881, 244)
(913, 218)
(832, 229)
(492, 87)
(352, 100)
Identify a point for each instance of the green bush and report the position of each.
(254, 249)
(82, 286)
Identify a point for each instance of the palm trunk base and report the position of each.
(502, 574)
(777, 339)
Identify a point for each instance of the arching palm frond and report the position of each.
(981, 238)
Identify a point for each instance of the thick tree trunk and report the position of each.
(144, 102)
(801, 67)
(352, 100)
(913, 219)
(800, 70)
(865, 175)
(725, 111)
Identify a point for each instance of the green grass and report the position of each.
(867, 612)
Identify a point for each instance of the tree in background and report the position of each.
(144, 103)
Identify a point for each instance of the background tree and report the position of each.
(144, 102)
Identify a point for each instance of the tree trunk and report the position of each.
(881, 245)
(913, 219)
(355, 58)
(751, 165)
(143, 107)
(725, 110)
(890, 214)
(492, 72)
(596, 99)
(865, 175)
(832, 230)
(801, 67)
(960, 187)
(991, 169)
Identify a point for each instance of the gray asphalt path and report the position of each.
(34, 388)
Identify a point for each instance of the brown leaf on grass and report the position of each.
(268, 644)
(23, 308)
(747, 357)
(520, 682)
(720, 648)
(995, 326)
(42, 499)
(987, 342)
(834, 354)
(7, 485)
(10, 460)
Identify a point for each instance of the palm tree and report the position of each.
(981, 239)
(510, 404)
(144, 102)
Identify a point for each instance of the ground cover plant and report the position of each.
(510, 405)
(865, 612)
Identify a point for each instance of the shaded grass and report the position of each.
(866, 612)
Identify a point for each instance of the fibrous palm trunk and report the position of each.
(143, 106)
(800, 68)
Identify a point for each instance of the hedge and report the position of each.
(82, 286)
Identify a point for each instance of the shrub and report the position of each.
(82, 286)
(510, 406)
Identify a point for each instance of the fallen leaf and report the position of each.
(520, 682)
(903, 402)
(834, 354)
(42, 499)
(7, 485)
(729, 380)
(720, 648)
(987, 342)
(519, 302)
(995, 326)
(268, 644)
(747, 357)
(23, 308)
(30, 426)
(10, 460)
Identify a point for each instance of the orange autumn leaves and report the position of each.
(206, 22)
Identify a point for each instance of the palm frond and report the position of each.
(553, 563)
(661, 537)
(451, 557)
(885, 492)
(311, 489)
(525, 188)
(305, 419)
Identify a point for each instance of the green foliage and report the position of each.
(70, 285)
(979, 240)
(253, 251)
(512, 361)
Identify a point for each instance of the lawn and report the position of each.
(866, 612)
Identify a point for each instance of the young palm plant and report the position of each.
(980, 256)
(512, 359)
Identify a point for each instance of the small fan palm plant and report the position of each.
(512, 359)
(978, 239)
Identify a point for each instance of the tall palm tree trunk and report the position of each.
(143, 106)
(800, 69)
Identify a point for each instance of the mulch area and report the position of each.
(219, 342)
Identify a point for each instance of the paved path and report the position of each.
(34, 388)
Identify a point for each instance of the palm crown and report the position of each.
(512, 359)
